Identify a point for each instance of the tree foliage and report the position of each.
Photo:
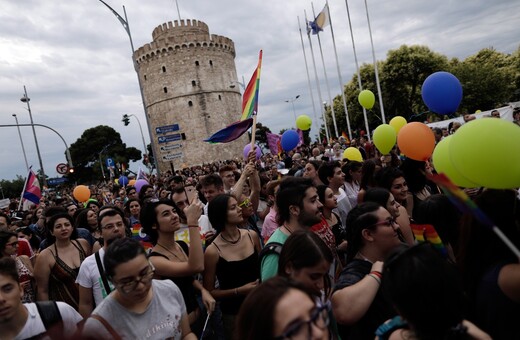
(13, 188)
(95, 144)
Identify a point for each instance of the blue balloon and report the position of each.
(290, 140)
(123, 181)
(442, 93)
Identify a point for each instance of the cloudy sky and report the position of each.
(74, 56)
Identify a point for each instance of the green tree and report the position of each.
(13, 188)
(98, 143)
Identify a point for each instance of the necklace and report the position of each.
(171, 252)
(364, 257)
(231, 241)
(288, 229)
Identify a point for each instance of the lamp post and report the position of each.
(21, 141)
(26, 99)
(140, 129)
(292, 102)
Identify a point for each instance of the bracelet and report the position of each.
(193, 226)
(375, 278)
(376, 273)
(236, 291)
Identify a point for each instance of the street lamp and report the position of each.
(292, 102)
(21, 141)
(26, 99)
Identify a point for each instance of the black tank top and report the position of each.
(234, 274)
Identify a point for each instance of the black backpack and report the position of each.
(274, 248)
(51, 318)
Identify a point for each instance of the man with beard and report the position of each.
(298, 208)
(93, 283)
(24, 321)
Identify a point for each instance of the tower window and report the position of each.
(190, 103)
(165, 89)
(193, 83)
(145, 77)
(164, 68)
(196, 63)
(219, 97)
(211, 63)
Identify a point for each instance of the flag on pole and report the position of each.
(320, 21)
(274, 143)
(32, 190)
(249, 109)
(141, 175)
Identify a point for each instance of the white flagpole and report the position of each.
(375, 68)
(341, 86)
(178, 12)
(326, 79)
(357, 70)
(317, 80)
(23, 190)
(309, 81)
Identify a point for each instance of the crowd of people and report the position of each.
(301, 245)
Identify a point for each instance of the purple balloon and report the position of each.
(247, 148)
(290, 140)
(139, 184)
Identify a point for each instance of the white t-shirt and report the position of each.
(34, 324)
(160, 320)
(89, 277)
(344, 206)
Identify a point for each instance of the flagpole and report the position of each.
(357, 70)
(23, 190)
(326, 80)
(309, 81)
(317, 80)
(342, 88)
(375, 67)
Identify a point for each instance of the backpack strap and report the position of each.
(51, 318)
(102, 273)
(109, 328)
(272, 248)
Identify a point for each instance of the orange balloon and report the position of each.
(132, 182)
(416, 141)
(81, 193)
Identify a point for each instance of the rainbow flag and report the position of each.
(427, 233)
(249, 109)
(344, 135)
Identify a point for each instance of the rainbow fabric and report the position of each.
(427, 233)
(249, 109)
(250, 98)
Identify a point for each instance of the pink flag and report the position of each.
(273, 141)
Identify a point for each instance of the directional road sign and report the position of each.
(169, 138)
(166, 148)
(172, 156)
(167, 128)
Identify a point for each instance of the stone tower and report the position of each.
(186, 75)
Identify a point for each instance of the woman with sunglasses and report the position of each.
(9, 248)
(358, 305)
(139, 308)
(282, 309)
(232, 258)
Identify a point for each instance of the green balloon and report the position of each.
(367, 99)
(442, 163)
(384, 138)
(303, 122)
(486, 151)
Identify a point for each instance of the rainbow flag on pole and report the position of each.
(249, 109)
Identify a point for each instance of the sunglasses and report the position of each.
(245, 203)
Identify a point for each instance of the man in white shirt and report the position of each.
(23, 321)
(331, 175)
(92, 288)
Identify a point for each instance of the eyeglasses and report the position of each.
(319, 318)
(390, 222)
(12, 244)
(245, 203)
(130, 286)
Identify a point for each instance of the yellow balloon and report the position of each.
(397, 123)
(487, 151)
(478, 111)
(442, 163)
(384, 138)
(352, 154)
(303, 122)
(367, 99)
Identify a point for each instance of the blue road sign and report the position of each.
(169, 138)
(110, 162)
(56, 181)
(167, 128)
